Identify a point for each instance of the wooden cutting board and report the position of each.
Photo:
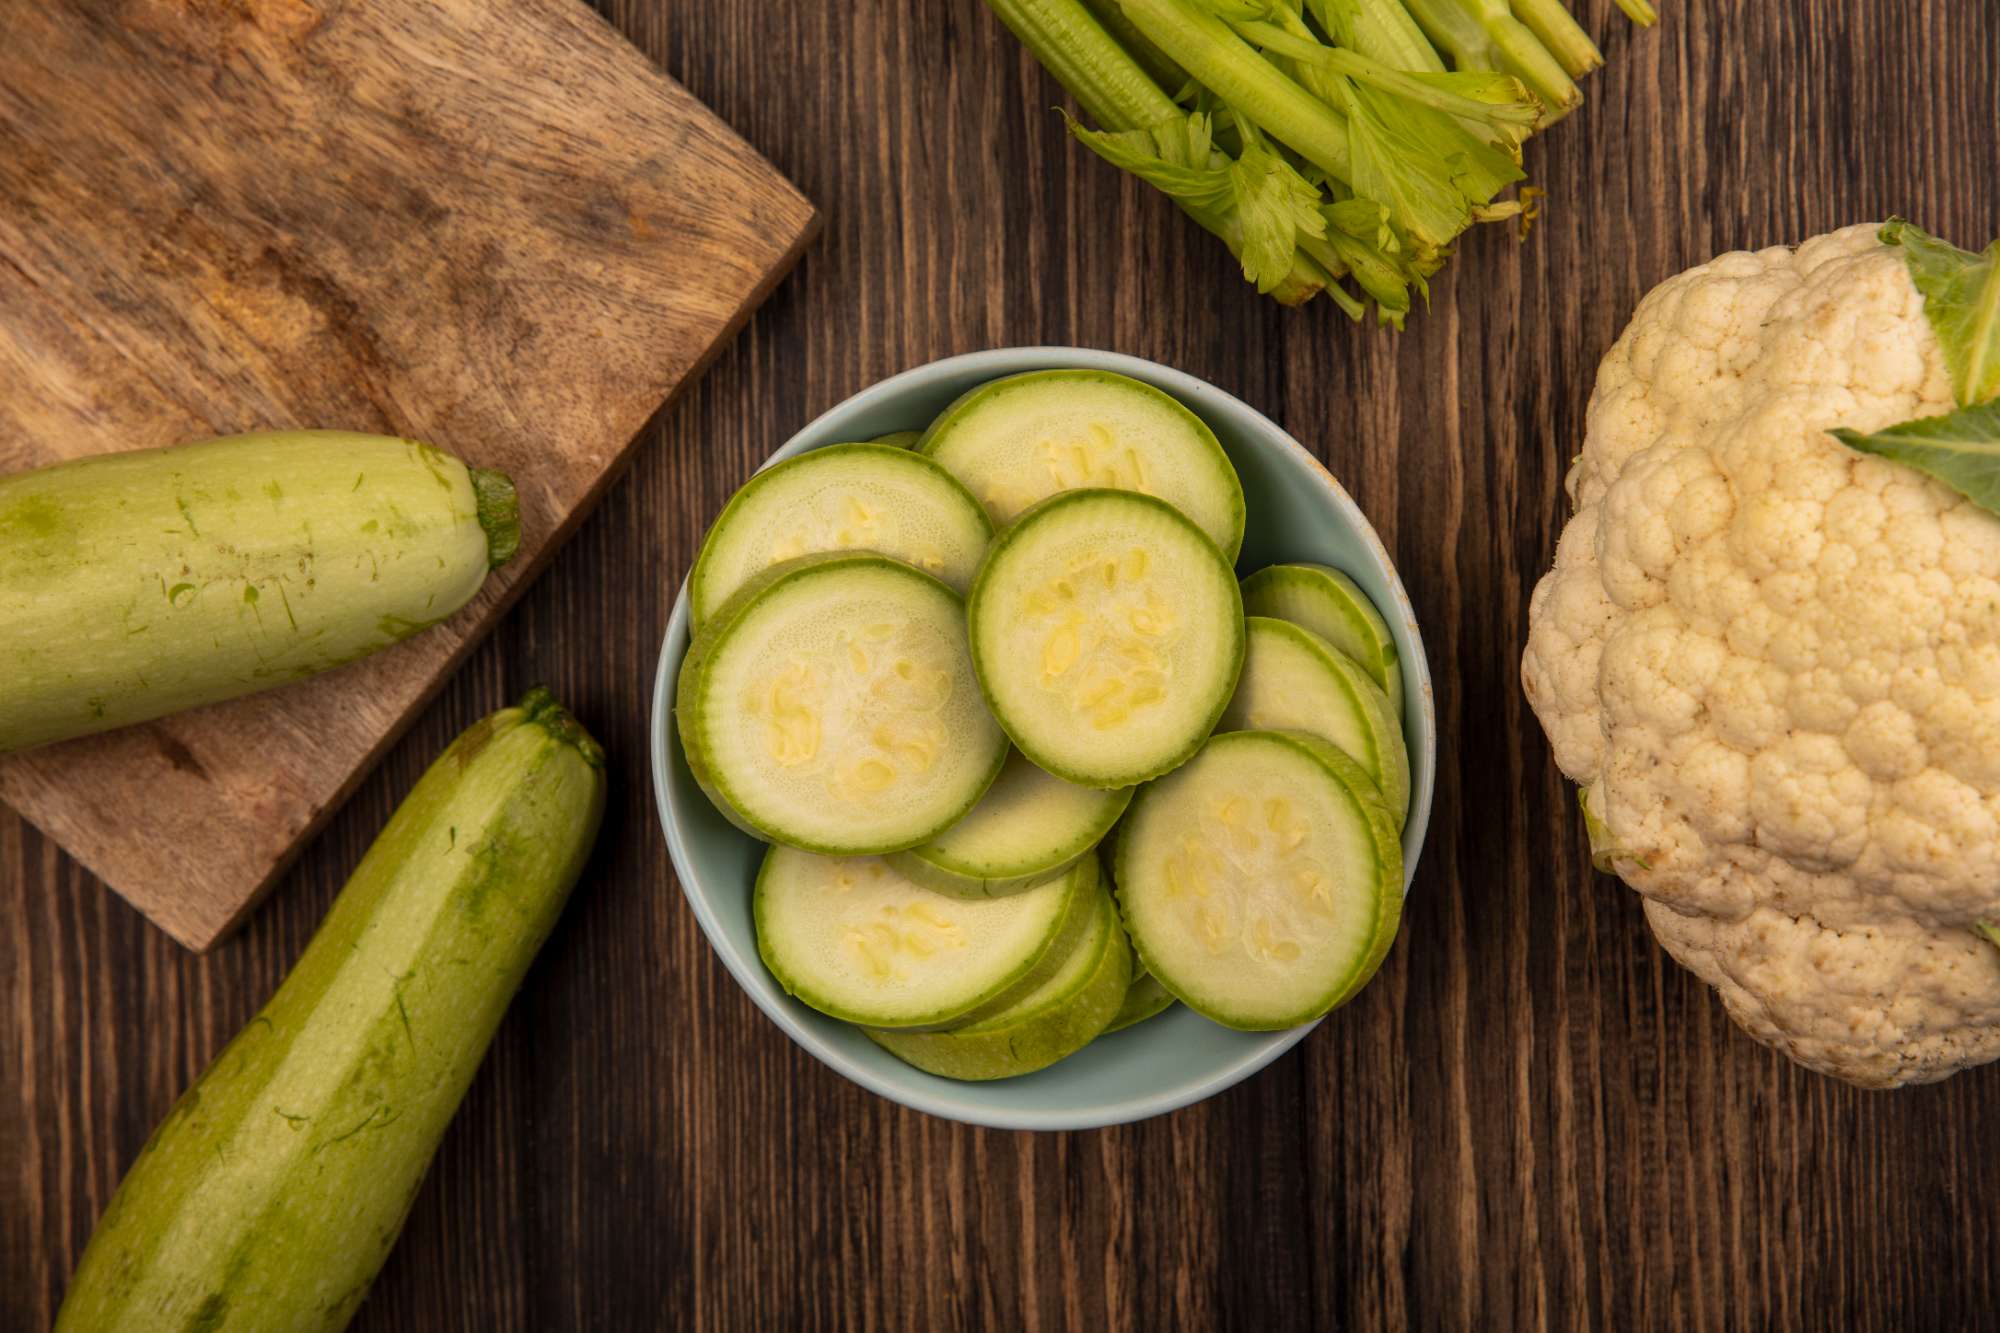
(491, 224)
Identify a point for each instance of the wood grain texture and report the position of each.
(494, 226)
(1532, 1119)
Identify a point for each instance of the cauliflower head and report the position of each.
(1773, 663)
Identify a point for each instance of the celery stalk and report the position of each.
(1496, 122)
(1382, 30)
(1460, 121)
(1248, 84)
(1640, 12)
(1171, 77)
(1324, 141)
(1387, 285)
(1112, 88)
(1455, 33)
(1556, 30)
(1483, 34)
(1074, 47)
(1417, 142)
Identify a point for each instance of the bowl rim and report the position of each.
(749, 973)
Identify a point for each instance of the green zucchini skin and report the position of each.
(1020, 1040)
(1144, 998)
(273, 1191)
(139, 584)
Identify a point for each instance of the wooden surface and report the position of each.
(1531, 1119)
(491, 225)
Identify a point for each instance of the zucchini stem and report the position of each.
(540, 709)
(499, 510)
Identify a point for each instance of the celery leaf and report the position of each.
(1275, 204)
(1176, 156)
(1360, 235)
(1418, 188)
(1257, 201)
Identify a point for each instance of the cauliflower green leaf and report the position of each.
(1961, 293)
(1961, 301)
(1604, 854)
(1960, 449)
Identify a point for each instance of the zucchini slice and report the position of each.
(857, 941)
(1261, 881)
(1029, 827)
(1056, 1019)
(1107, 633)
(1019, 440)
(1144, 998)
(1293, 680)
(830, 705)
(1331, 605)
(845, 497)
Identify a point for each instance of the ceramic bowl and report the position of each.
(1297, 511)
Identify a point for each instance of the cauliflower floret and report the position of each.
(1774, 663)
(1876, 1005)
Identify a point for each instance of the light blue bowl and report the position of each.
(1297, 511)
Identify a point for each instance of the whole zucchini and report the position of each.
(273, 1191)
(138, 584)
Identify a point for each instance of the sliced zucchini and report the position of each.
(1144, 998)
(845, 497)
(1029, 827)
(1261, 881)
(1293, 680)
(1056, 1019)
(1019, 440)
(899, 439)
(855, 940)
(831, 705)
(1331, 605)
(1107, 633)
